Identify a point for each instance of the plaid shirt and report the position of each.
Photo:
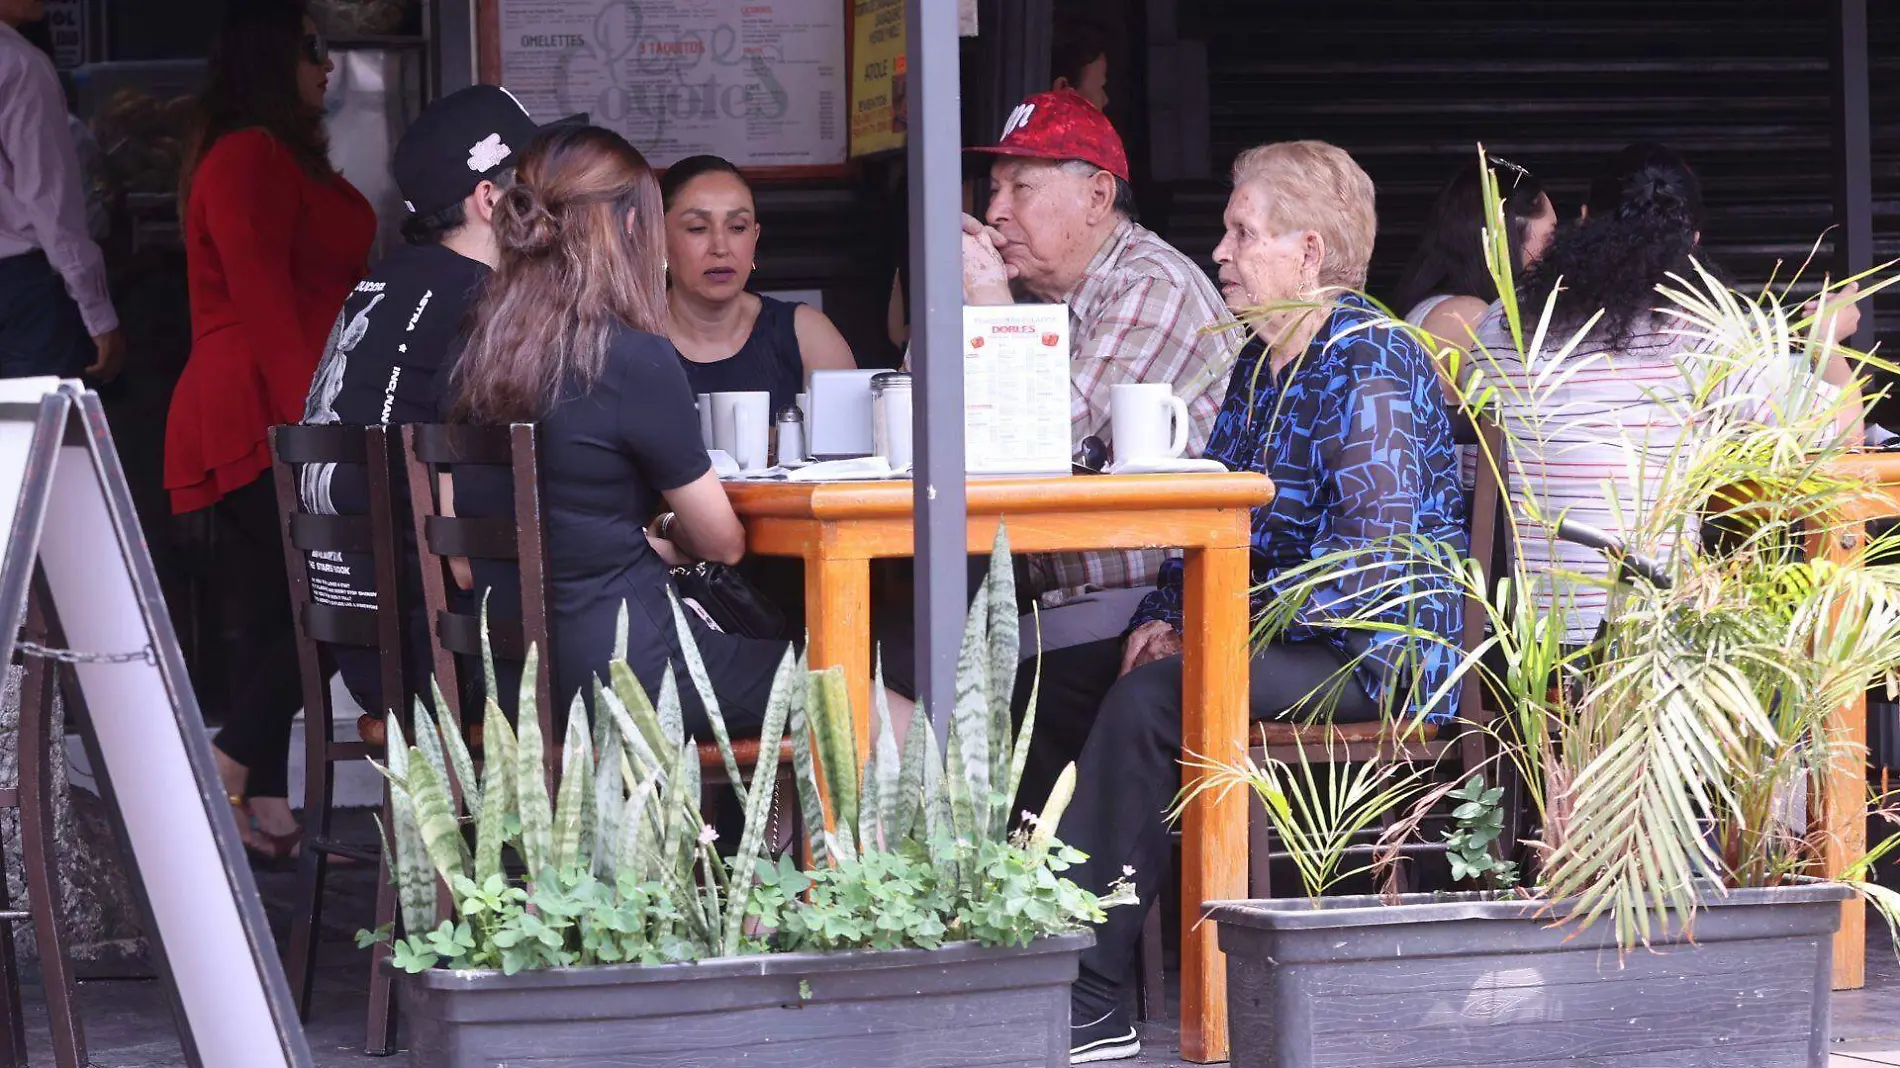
(1140, 314)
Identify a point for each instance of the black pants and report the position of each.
(1124, 736)
(266, 689)
(41, 332)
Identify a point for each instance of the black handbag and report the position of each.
(727, 601)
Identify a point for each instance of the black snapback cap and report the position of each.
(457, 143)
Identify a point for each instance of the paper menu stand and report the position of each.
(1016, 389)
(69, 516)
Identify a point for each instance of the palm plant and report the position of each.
(1667, 759)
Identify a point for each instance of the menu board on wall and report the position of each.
(760, 82)
(879, 97)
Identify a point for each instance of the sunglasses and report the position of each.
(1518, 173)
(314, 49)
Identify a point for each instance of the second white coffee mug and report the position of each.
(1140, 414)
(706, 420)
(742, 425)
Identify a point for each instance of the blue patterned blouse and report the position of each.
(1358, 441)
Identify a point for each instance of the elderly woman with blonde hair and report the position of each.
(1345, 413)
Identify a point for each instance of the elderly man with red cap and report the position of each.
(1062, 229)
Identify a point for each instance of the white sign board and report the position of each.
(760, 82)
(66, 23)
(1016, 389)
(64, 493)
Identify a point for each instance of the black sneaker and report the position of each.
(1111, 1038)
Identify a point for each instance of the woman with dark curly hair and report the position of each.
(1596, 422)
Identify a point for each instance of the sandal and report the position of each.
(271, 851)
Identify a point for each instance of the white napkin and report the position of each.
(856, 469)
(1176, 465)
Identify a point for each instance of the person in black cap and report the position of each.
(396, 329)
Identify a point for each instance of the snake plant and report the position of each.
(617, 864)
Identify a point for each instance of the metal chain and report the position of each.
(144, 655)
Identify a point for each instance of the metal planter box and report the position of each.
(959, 1005)
(1456, 980)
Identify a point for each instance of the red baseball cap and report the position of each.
(1062, 125)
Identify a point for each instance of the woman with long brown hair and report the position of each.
(568, 334)
(274, 241)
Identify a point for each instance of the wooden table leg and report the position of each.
(838, 624)
(1843, 818)
(1843, 790)
(1213, 833)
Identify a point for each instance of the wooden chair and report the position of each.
(522, 538)
(432, 450)
(371, 533)
(31, 799)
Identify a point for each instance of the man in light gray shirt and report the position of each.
(56, 315)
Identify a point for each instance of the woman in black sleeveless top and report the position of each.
(731, 340)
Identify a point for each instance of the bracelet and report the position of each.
(664, 528)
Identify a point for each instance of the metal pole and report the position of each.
(936, 264)
(1853, 154)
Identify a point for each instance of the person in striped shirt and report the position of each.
(1594, 431)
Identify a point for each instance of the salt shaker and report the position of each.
(791, 435)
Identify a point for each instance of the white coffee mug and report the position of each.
(1139, 414)
(742, 427)
(706, 421)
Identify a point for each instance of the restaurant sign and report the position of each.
(760, 82)
(879, 87)
(66, 23)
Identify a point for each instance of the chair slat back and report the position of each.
(432, 450)
(372, 532)
(1489, 545)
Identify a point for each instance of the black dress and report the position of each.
(769, 360)
(606, 455)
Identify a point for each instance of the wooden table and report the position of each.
(1844, 793)
(839, 528)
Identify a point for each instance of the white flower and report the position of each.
(707, 836)
(1128, 871)
(1030, 819)
(487, 152)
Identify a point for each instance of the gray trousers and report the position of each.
(1089, 618)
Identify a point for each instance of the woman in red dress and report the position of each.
(275, 239)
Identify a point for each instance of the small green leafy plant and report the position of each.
(1477, 822)
(617, 865)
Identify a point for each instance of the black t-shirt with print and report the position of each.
(379, 368)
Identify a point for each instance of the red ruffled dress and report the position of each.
(270, 255)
